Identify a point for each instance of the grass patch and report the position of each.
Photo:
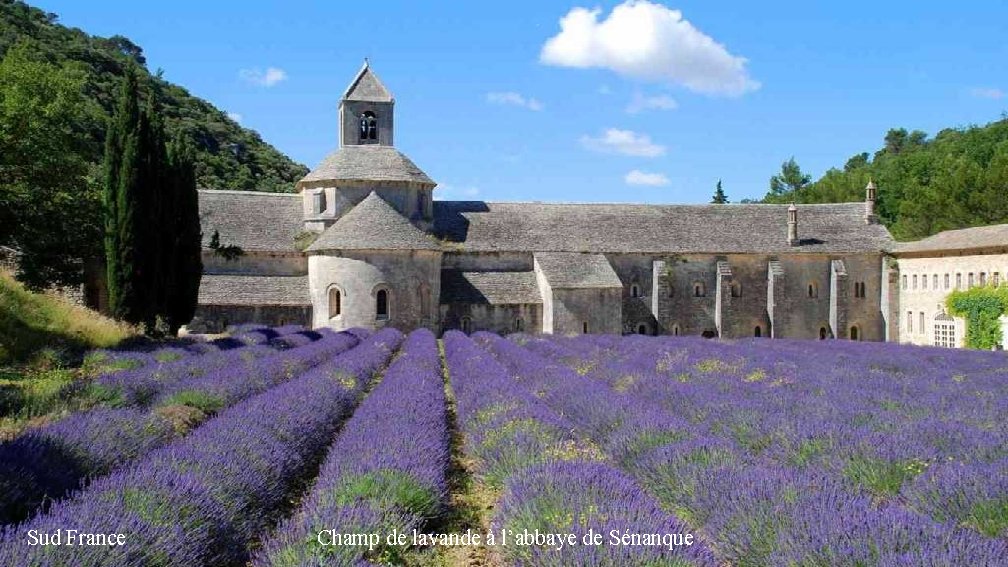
(880, 477)
(206, 403)
(990, 517)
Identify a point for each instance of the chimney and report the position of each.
(869, 205)
(792, 225)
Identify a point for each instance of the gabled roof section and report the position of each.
(366, 163)
(258, 222)
(220, 289)
(993, 236)
(479, 226)
(571, 270)
(373, 225)
(366, 86)
(495, 288)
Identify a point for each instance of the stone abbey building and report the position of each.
(363, 243)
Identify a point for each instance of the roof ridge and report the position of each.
(626, 204)
(245, 192)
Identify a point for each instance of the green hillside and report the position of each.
(957, 179)
(228, 156)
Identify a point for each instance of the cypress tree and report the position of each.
(153, 234)
(120, 192)
(185, 265)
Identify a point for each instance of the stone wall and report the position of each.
(500, 319)
(600, 308)
(402, 196)
(915, 300)
(216, 318)
(488, 261)
(412, 280)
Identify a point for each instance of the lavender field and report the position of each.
(279, 447)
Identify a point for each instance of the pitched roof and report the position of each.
(253, 290)
(495, 288)
(961, 239)
(366, 86)
(366, 163)
(482, 226)
(572, 270)
(373, 225)
(253, 220)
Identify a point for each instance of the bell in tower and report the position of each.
(366, 115)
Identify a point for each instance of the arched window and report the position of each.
(813, 290)
(823, 333)
(634, 290)
(519, 325)
(736, 289)
(855, 333)
(642, 329)
(859, 290)
(466, 325)
(699, 290)
(335, 302)
(675, 330)
(944, 331)
(381, 304)
(924, 281)
(946, 281)
(368, 127)
(584, 327)
(758, 332)
(934, 281)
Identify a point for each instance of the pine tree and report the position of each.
(719, 195)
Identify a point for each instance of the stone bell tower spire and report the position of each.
(366, 111)
(869, 205)
(792, 225)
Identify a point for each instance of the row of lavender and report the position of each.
(385, 471)
(45, 463)
(287, 336)
(552, 480)
(205, 499)
(924, 427)
(731, 443)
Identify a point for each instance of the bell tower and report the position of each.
(366, 111)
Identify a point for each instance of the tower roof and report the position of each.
(373, 225)
(366, 86)
(366, 163)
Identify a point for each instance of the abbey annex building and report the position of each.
(364, 244)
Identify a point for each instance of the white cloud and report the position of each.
(660, 102)
(450, 192)
(651, 42)
(235, 116)
(623, 142)
(514, 99)
(268, 78)
(638, 177)
(995, 94)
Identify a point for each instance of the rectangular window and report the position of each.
(909, 321)
(969, 280)
(924, 281)
(996, 277)
(946, 281)
(904, 281)
(934, 282)
(983, 279)
(958, 281)
(318, 202)
(921, 321)
(915, 281)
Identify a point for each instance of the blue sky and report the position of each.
(631, 102)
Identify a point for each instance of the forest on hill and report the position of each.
(228, 156)
(957, 179)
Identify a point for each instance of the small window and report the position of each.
(319, 202)
(758, 332)
(813, 290)
(920, 325)
(946, 281)
(983, 279)
(466, 325)
(519, 325)
(904, 281)
(381, 304)
(924, 281)
(736, 289)
(823, 333)
(996, 278)
(584, 327)
(909, 321)
(958, 281)
(675, 330)
(368, 127)
(934, 281)
(634, 290)
(855, 333)
(915, 281)
(699, 290)
(969, 280)
(335, 302)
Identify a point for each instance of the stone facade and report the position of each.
(376, 249)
